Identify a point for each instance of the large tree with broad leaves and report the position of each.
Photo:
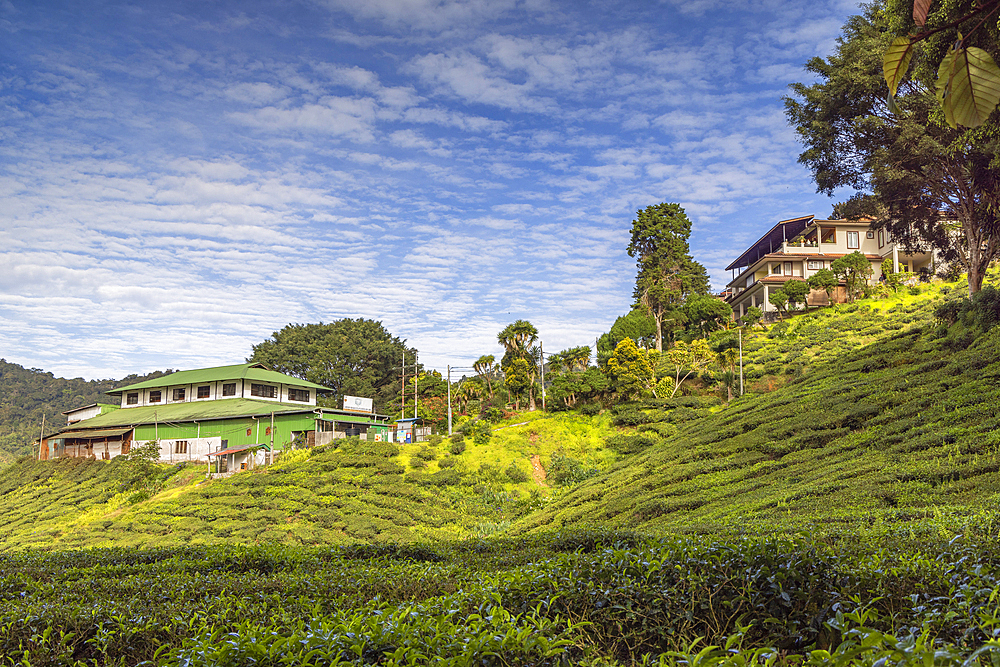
(929, 183)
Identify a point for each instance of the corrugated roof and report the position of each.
(90, 435)
(784, 230)
(252, 371)
(185, 412)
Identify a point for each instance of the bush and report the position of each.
(631, 418)
(457, 446)
(590, 409)
(426, 453)
(435, 440)
(565, 470)
(515, 474)
(631, 444)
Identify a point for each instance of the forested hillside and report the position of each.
(28, 393)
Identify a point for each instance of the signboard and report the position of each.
(358, 404)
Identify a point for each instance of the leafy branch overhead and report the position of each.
(968, 80)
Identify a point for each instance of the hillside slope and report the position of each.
(905, 428)
(351, 491)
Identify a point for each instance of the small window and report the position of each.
(828, 235)
(776, 270)
(788, 268)
(229, 389)
(869, 234)
(179, 394)
(298, 395)
(155, 396)
(263, 391)
(815, 264)
(204, 392)
(881, 238)
(180, 446)
(132, 399)
(853, 240)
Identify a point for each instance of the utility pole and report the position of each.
(402, 390)
(541, 357)
(449, 400)
(41, 435)
(741, 359)
(415, 379)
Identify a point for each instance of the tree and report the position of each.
(824, 279)
(854, 269)
(517, 377)
(630, 370)
(486, 367)
(356, 357)
(797, 291)
(752, 316)
(519, 339)
(667, 272)
(688, 358)
(934, 185)
(707, 312)
(779, 299)
(968, 80)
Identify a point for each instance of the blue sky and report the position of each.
(180, 179)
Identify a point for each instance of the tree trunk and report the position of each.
(658, 316)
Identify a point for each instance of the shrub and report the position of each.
(457, 446)
(435, 440)
(631, 444)
(590, 409)
(631, 418)
(565, 470)
(515, 474)
(426, 453)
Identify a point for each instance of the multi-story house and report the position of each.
(236, 412)
(796, 249)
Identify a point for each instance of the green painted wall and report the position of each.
(233, 430)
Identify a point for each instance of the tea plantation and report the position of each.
(843, 512)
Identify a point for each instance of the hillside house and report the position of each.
(238, 412)
(796, 249)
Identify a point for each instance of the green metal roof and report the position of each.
(253, 371)
(186, 412)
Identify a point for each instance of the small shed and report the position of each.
(244, 457)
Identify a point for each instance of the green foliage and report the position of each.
(28, 393)
(707, 313)
(629, 370)
(515, 474)
(854, 269)
(358, 357)
(565, 470)
(667, 273)
(824, 279)
(901, 156)
(752, 316)
(457, 446)
(797, 291)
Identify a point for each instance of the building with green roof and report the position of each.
(241, 412)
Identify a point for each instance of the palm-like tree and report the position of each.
(519, 339)
(486, 366)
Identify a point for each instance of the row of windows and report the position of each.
(228, 389)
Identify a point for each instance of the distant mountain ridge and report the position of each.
(28, 393)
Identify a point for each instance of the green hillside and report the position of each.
(350, 491)
(865, 417)
(28, 394)
(879, 420)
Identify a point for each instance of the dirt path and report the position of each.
(537, 471)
